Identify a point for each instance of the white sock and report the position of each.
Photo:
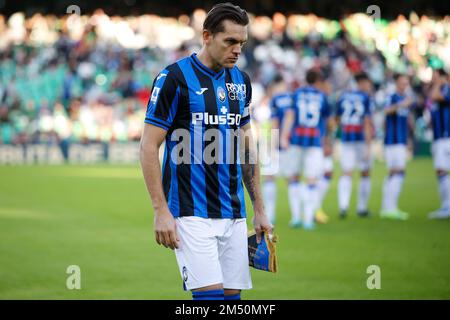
(344, 191)
(396, 185)
(269, 190)
(387, 194)
(323, 186)
(294, 193)
(444, 191)
(302, 191)
(311, 203)
(364, 193)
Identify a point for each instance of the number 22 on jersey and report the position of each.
(352, 112)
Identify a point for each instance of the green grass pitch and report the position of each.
(100, 218)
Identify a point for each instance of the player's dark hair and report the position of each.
(221, 12)
(442, 72)
(313, 76)
(278, 78)
(399, 75)
(362, 76)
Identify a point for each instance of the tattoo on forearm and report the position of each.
(248, 168)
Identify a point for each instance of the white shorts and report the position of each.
(283, 166)
(306, 161)
(213, 251)
(353, 155)
(328, 164)
(395, 156)
(441, 154)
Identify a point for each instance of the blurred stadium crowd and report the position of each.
(88, 78)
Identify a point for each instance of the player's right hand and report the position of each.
(166, 229)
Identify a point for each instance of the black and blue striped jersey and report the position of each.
(396, 124)
(352, 108)
(311, 113)
(203, 103)
(279, 104)
(440, 115)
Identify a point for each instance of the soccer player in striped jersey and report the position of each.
(354, 117)
(280, 102)
(303, 131)
(398, 121)
(440, 117)
(200, 107)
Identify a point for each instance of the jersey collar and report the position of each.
(205, 69)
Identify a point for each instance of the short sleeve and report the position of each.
(368, 106)
(273, 108)
(163, 103)
(339, 109)
(293, 105)
(248, 99)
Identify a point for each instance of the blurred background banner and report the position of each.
(75, 84)
(75, 80)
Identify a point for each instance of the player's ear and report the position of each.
(207, 37)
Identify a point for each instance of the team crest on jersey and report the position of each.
(221, 94)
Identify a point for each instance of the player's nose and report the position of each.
(237, 49)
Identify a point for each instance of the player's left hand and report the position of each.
(261, 224)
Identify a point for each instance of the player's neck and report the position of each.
(363, 90)
(207, 61)
(279, 89)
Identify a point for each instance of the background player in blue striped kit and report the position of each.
(303, 130)
(440, 117)
(199, 206)
(397, 124)
(354, 118)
